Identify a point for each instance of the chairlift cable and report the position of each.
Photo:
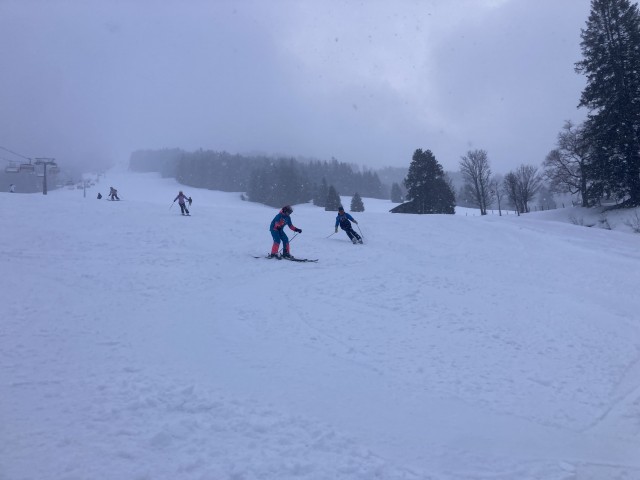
(15, 153)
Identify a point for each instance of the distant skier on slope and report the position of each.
(113, 194)
(277, 232)
(344, 220)
(182, 199)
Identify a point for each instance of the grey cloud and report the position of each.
(366, 83)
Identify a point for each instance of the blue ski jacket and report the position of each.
(343, 221)
(279, 221)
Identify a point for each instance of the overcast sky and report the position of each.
(366, 82)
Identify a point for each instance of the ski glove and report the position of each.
(299, 230)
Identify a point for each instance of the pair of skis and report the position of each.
(291, 259)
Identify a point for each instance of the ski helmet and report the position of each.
(287, 210)
(341, 208)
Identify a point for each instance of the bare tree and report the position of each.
(521, 186)
(498, 190)
(529, 182)
(510, 184)
(565, 166)
(476, 172)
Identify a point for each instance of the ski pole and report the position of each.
(172, 205)
(360, 230)
(331, 235)
(292, 238)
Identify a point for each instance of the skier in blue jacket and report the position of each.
(344, 220)
(277, 232)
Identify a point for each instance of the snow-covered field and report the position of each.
(139, 344)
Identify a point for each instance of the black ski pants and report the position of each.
(352, 234)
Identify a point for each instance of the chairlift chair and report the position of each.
(27, 167)
(12, 168)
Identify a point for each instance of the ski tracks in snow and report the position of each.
(87, 409)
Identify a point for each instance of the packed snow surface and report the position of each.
(136, 343)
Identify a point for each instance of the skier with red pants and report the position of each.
(277, 232)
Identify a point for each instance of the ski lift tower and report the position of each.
(44, 162)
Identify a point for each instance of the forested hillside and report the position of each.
(273, 181)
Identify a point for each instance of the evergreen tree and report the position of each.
(278, 184)
(333, 200)
(611, 62)
(396, 193)
(320, 197)
(445, 196)
(428, 188)
(356, 203)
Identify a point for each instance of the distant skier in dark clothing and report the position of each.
(277, 232)
(344, 220)
(182, 199)
(113, 194)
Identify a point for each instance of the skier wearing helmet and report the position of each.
(181, 201)
(344, 220)
(277, 232)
